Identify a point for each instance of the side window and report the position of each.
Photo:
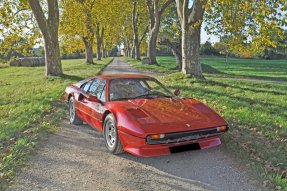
(103, 93)
(85, 87)
(94, 86)
(98, 89)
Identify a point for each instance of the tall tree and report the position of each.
(89, 38)
(191, 19)
(49, 28)
(77, 21)
(155, 9)
(170, 34)
(100, 31)
(136, 50)
(139, 25)
(15, 16)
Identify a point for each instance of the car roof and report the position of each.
(117, 76)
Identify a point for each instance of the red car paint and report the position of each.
(138, 118)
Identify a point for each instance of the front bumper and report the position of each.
(139, 146)
(186, 136)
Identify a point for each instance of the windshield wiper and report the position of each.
(168, 96)
(145, 96)
(152, 96)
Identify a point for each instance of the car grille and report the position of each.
(184, 136)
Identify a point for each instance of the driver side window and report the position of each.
(98, 89)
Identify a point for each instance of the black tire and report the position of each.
(111, 136)
(74, 119)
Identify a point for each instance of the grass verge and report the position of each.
(31, 107)
(255, 110)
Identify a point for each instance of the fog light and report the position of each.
(157, 136)
(222, 128)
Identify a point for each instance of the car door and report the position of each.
(97, 108)
(82, 103)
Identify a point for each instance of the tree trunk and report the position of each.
(191, 19)
(104, 51)
(176, 50)
(151, 52)
(99, 54)
(155, 13)
(99, 41)
(178, 62)
(186, 46)
(88, 51)
(135, 50)
(49, 28)
(52, 56)
(196, 70)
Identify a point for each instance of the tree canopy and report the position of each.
(97, 26)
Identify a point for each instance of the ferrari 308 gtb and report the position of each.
(139, 115)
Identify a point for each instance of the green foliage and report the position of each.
(18, 29)
(282, 182)
(208, 49)
(30, 104)
(248, 27)
(170, 25)
(80, 19)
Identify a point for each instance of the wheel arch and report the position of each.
(69, 97)
(106, 113)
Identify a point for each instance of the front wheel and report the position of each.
(111, 136)
(74, 119)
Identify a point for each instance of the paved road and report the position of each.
(120, 66)
(75, 158)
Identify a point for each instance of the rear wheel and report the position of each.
(111, 136)
(74, 119)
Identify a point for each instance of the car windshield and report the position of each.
(133, 88)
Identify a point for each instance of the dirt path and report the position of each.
(75, 158)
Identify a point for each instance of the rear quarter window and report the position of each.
(85, 87)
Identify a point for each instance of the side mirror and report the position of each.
(93, 99)
(177, 92)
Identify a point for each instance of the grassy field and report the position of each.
(30, 105)
(255, 109)
(271, 70)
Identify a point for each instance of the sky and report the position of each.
(204, 36)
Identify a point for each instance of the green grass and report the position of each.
(271, 70)
(167, 65)
(30, 104)
(255, 109)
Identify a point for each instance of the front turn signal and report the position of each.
(157, 136)
(222, 128)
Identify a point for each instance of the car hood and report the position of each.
(162, 115)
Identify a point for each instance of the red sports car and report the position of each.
(137, 114)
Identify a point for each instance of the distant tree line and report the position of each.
(220, 49)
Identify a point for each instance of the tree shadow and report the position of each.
(243, 88)
(71, 77)
(252, 77)
(2, 67)
(276, 108)
(211, 70)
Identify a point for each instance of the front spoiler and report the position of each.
(138, 146)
